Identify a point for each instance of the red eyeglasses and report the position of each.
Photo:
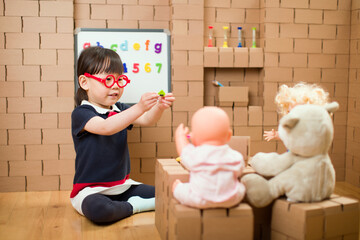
(110, 80)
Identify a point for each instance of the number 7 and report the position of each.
(159, 65)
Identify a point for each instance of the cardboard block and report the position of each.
(262, 221)
(228, 223)
(328, 219)
(242, 145)
(184, 222)
(346, 221)
(226, 57)
(256, 58)
(160, 215)
(239, 96)
(240, 116)
(241, 57)
(297, 220)
(243, 216)
(211, 57)
(255, 116)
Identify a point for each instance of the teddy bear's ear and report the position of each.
(290, 123)
(331, 107)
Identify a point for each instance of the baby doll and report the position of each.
(289, 97)
(214, 167)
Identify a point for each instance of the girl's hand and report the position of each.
(166, 101)
(148, 100)
(270, 135)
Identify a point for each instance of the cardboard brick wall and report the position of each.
(336, 218)
(312, 41)
(352, 155)
(37, 72)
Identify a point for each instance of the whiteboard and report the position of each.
(145, 54)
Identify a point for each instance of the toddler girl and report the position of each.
(102, 189)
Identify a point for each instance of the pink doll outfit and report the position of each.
(214, 173)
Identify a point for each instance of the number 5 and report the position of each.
(136, 68)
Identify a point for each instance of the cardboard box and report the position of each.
(262, 222)
(255, 116)
(184, 222)
(211, 57)
(336, 217)
(237, 96)
(192, 223)
(256, 58)
(242, 145)
(241, 57)
(232, 223)
(166, 171)
(226, 57)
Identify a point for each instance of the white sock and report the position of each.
(141, 204)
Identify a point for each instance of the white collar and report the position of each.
(100, 109)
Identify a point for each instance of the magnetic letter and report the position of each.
(147, 45)
(136, 46)
(86, 45)
(114, 47)
(158, 47)
(124, 46)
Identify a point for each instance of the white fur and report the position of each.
(304, 173)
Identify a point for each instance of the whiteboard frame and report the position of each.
(95, 30)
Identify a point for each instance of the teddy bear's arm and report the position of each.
(271, 164)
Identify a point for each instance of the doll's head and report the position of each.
(210, 125)
(96, 60)
(302, 93)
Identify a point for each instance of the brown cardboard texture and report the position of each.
(333, 218)
(228, 223)
(241, 57)
(256, 57)
(238, 96)
(211, 57)
(297, 220)
(262, 222)
(255, 116)
(242, 145)
(226, 57)
(184, 222)
(162, 166)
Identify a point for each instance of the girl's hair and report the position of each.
(94, 60)
(301, 93)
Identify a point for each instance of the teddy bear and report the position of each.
(304, 173)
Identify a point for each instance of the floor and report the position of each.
(49, 215)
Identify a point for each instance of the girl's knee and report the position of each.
(97, 210)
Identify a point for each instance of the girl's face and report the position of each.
(99, 94)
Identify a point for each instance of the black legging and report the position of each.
(101, 208)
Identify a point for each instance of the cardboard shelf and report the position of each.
(233, 96)
(233, 57)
